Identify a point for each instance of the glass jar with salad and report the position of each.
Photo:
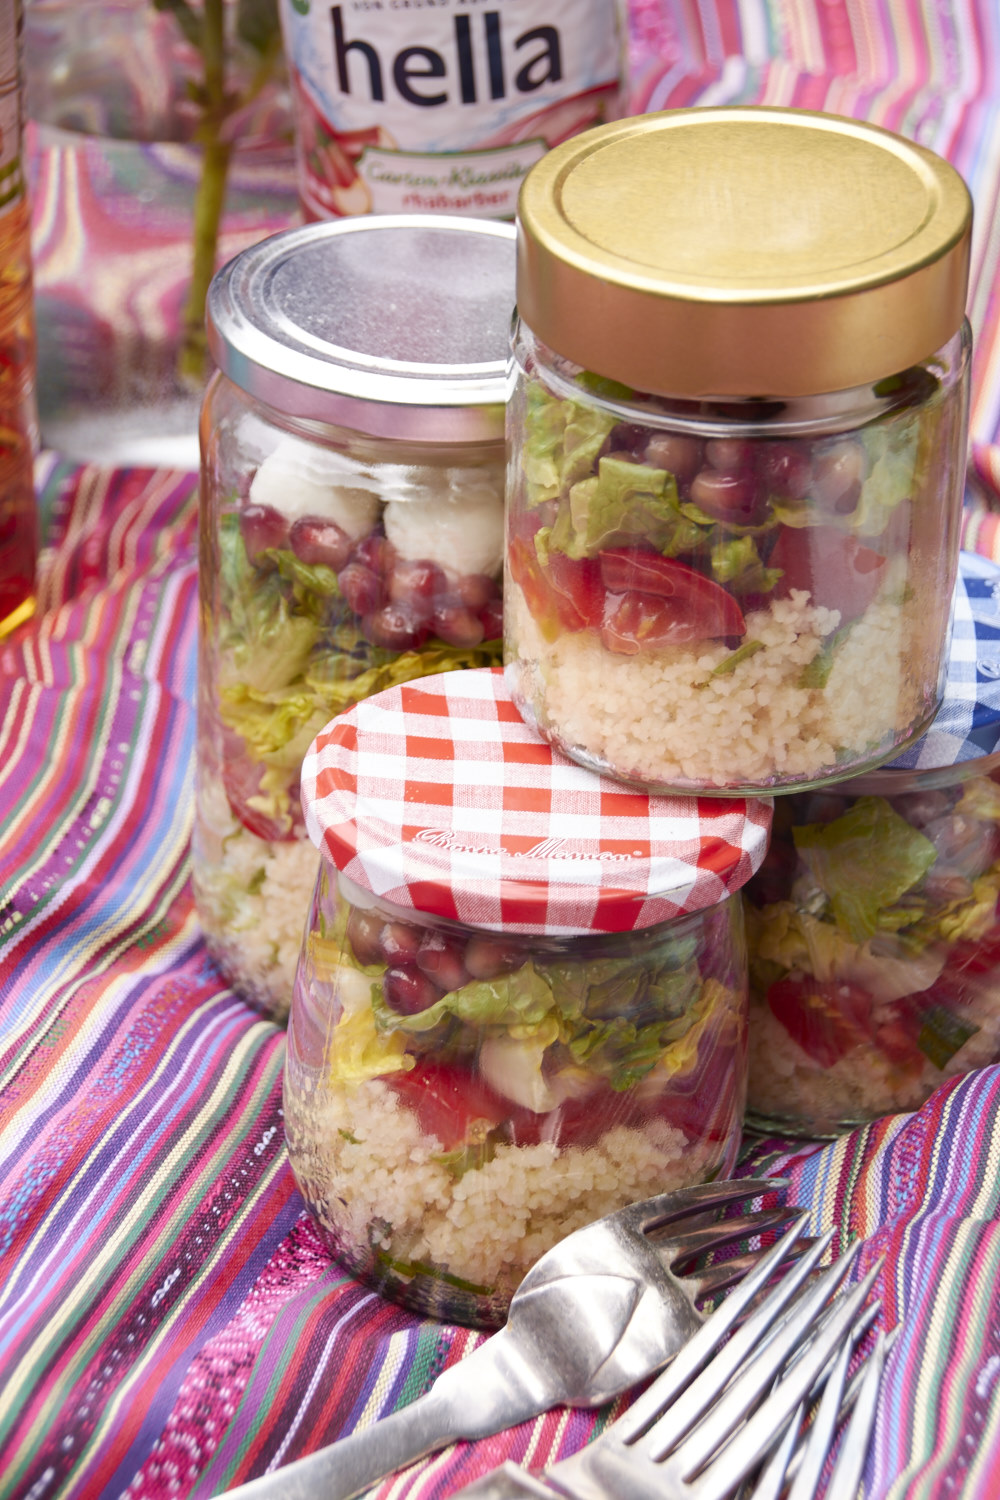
(352, 530)
(737, 447)
(521, 998)
(874, 923)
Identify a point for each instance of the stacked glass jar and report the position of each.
(873, 924)
(352, 530)
(737, 447)
(521, 1002)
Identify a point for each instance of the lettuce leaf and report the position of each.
(623, 502)
(561, 442)
(785, 939)
(839, 858)
(737, 564)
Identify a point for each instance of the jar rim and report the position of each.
(393, 325)
(436, 795)
(743, 251)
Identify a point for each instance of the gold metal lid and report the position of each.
(743, 251)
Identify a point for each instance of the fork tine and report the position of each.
(772, 1479)
(682, 1242)
(854, 1387)
(708, 1281)
(825, 1424)
(691, 1359)
(846, 1475)
(682, 1203)
(757, 1436)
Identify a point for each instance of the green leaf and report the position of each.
(729, 663)
(864, 861)
(942, 1034)
(258, 25)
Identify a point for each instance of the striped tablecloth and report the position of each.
(169, 1323)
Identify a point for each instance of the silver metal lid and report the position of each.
(395, 325)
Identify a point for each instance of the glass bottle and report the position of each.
(18, 422)
(444, 108)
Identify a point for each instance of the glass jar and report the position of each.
(351, 536)
(737, 447)
(874, 925)
(520, 1002)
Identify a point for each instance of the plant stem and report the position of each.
(211, 195)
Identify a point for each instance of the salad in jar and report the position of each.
(751, 596)
(457, 1100)
(331, 576)
(874, 942)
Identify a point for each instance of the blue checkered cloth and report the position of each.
(968, 723)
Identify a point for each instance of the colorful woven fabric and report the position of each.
(436, 794)
(169, 1323)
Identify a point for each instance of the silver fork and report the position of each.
(728, 1404)
(596, 1314)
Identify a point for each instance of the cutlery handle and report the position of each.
(355, 1463)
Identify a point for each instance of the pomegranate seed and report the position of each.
(376, 552)
(458, 626)
(407, 991)
(416, 582)
(679, 455)
(725, 496)
(262, 527)
(363, 931)
(729, 454)
(317, 541)
(440, 958)
(786, 470)
(395, 627)
(486, 957)
(838, 475)
(491, 619)
(475, 590)
(362, 588)
(398, 942)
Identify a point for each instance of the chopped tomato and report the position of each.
(658, 601)
(827, 1018)
(450, 1102)
(564, 591)
(241, 779)
(832, 565)
(633, 622)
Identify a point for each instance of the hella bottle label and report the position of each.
(415, 106)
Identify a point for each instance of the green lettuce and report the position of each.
(737, 564)
(562, 439)
(839, 858)
(892, 448)
(623, 502)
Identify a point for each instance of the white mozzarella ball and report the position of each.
(298, 480)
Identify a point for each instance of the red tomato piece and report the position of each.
(634, 622)
(449, 1102)
(832, 565)
(241, 779)
(668, 602)
(564, 591)
(827, 1018)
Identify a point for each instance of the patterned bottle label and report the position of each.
(11, 116)
(417, 106)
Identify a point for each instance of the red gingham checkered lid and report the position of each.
(435, 795)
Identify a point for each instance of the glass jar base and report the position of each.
(772, 787)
